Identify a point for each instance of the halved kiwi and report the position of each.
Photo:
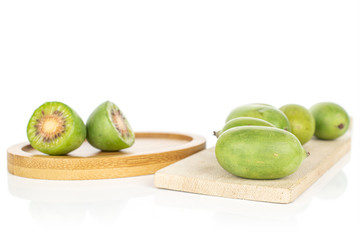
(55, 129)
(108, 129)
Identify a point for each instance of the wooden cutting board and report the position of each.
(151, 152)
(201, 173)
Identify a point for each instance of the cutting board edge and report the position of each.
(317, 173)
(289, 194)
(161, 178)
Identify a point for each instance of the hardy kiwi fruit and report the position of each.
(55, 129)
(301, 120)
(108, 129)
(259, 152)
(332, 120)
(243, 121)
(262, 111)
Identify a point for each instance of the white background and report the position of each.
(175, 66)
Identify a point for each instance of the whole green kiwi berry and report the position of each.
(301, 121)
(262, 111)
(243, 121)
(332, 120)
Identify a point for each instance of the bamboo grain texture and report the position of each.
(151, 152)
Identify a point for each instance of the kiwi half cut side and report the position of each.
(108, 129)
(55, 129)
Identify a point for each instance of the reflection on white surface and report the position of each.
(78, 190)
(70, 202)
(54, 213)
(335, 188)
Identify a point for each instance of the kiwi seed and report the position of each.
(55, 129)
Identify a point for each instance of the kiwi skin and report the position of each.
(332, 120)
(102, 132)
(301, 121)
(243, 121)
(70, 140)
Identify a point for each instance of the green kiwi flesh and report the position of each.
(108, 129)
(55, 129)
